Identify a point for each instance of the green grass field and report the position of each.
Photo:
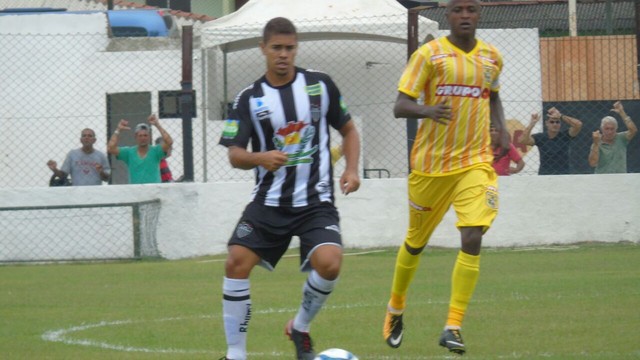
(564, 302)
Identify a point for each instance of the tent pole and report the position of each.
(204, 112)
(225, 84)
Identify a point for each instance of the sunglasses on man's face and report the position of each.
(554, 121)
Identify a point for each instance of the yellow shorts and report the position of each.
(473, 193)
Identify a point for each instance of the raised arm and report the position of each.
(575, 125)
(112, 145)
(167, 141)
(632, 129)
(526, 137)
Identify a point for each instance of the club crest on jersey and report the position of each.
(261, 110)
(293, 139)
(488, 74)
(230, 129)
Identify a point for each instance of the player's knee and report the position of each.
(471, 240)
(328, 263)
(237, 269)
(471, 234)
(330, 272)
(414, 250)
(239, 263)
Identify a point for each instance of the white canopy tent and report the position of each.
(382, 20)
(361, 44)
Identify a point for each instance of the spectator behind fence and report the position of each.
(286, 114)
(554, 144)
(86, 165)
(165, 172)
(458, 76)
(143, 160)
(609, 149)
(502, 161)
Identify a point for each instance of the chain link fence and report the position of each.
(56, 83)
(581, 76)
(79, 232)
(58, 80)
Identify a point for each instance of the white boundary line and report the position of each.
(487, 249)
(64, 336)
(296, 255)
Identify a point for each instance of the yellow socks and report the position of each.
(406, 266)
(463, 283)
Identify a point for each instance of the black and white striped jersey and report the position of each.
(295, 119)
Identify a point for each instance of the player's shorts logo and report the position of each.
(335, 228)
(492, 197)
(243, 229)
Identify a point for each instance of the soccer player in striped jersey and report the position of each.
(287, 115)
(450, 160)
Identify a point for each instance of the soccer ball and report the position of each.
(335, 354)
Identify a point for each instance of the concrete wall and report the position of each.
(196, 219)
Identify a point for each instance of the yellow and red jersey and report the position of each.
(444, 73)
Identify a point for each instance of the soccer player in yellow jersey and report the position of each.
(450, 160)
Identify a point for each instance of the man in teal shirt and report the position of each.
(609, 149)
(143, 160)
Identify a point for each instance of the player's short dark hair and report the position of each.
(278, 26)
(450, 5)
